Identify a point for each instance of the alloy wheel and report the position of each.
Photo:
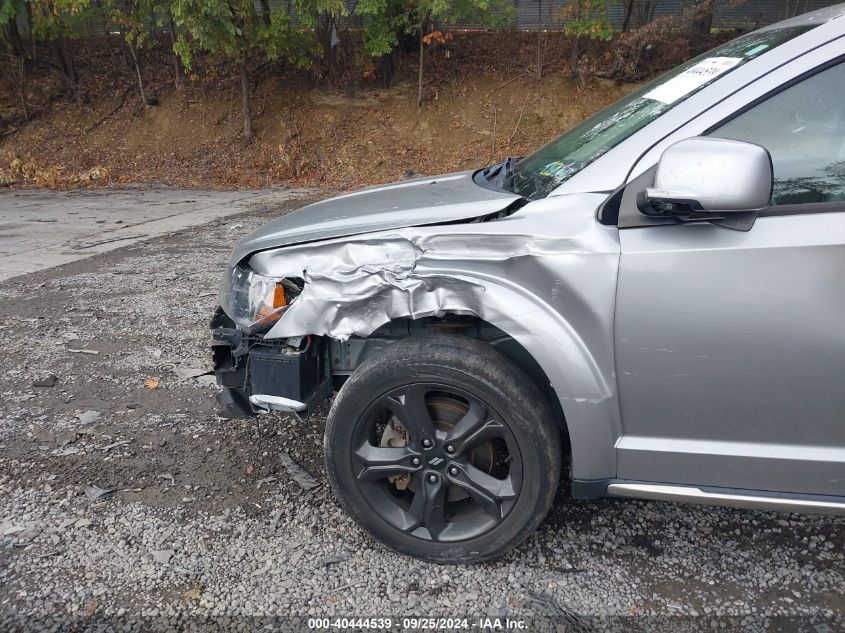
(436, 462)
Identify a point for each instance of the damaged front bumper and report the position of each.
(259, 374)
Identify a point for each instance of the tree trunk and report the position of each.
(138, 72)
(177, 65)
(123, 48)
(265, 11)
(792, 8)
(575, 54)
(69, 74)
(14, 37)
(106, 36)
(28, 6)
(539, 40)
(324, 30)
(647, 8)
(245, 103)
(629, 10)
(386, 68)
(702, 21)
(420, 70)
(638, 57)
(21, 91)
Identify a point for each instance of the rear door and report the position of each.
(730, 345)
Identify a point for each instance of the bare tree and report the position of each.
(265, 12)
(701, 21)
(177, 65)
(67, 65)
(246, 104)
(420, 67)
(629, 12)
(539, 40)
(144, 98)
(13, 36)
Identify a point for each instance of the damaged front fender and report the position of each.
(546, 277)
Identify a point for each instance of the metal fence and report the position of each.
(542, 14)
(747, 14)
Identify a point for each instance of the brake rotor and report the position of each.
(395, 436)
(445, 413)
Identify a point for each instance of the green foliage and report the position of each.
(139, 18)
(233, 29)
(215, 26)
(50, 18)
(385, 20)
(9, 9)
(588, 19)
(281, 40)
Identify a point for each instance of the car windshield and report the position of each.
(535, 176)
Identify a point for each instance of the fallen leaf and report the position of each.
(152, 383)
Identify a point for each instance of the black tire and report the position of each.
(491, 471)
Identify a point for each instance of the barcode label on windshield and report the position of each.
(692, 79)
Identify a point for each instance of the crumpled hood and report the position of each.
(433, 200)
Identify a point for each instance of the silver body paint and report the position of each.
(689, 168)
(432, 200)
(686, 354)
(546, 278)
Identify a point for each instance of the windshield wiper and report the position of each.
(498, 174)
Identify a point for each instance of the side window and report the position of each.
(803, 127)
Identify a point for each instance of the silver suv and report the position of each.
(654, 300)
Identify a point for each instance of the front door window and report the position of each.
(803, 127)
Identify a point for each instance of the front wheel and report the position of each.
(443, 449)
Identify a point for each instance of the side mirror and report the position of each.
(712, 179)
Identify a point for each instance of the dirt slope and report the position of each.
(306, 132)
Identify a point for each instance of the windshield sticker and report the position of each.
(692, 79)
(558, 169)
(756, 50)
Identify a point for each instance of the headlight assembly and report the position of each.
(254, 301)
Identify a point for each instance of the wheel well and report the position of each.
(346, 356)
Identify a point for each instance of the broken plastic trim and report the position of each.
(277, 403)
(279, 375)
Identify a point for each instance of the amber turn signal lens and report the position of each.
(279, 300)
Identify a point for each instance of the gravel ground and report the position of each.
(104, 387)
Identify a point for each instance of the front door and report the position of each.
(730, 345)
